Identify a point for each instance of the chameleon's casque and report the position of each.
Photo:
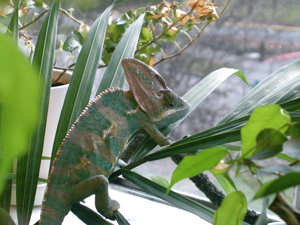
(96, 140)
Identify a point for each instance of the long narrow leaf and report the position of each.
(81, 84)
(28, 166)
(87, 215)
(114, 75)
(194, 97)
(13, 26)
(120, 218)
(280, 86)
(219, 135)
(172, 197)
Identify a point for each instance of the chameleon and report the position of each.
(95, 142)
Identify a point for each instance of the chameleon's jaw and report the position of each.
(172, 115)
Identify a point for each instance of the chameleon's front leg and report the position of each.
(97, 185)
(154, 132)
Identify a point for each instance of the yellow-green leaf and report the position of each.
(19, 93)
(192, 165)
(268, 116)
(233, 209)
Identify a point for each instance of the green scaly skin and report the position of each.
(94, 143)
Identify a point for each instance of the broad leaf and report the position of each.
(193, 165)
(74, 41)
(232, 210)
(160, 180)
(19, 94)
(269, 143)
(279, 184)
(269, 116)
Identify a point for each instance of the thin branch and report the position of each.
(187, 46)
(167, 28)
(33, 21)
(216, 197)
(70, 16)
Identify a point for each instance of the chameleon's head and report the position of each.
(162, 105)
(171, 108)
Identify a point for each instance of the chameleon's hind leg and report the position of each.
(97, 185)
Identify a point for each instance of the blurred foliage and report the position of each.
(163, 23)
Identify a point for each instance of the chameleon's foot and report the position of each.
(121, 163)
(167, 141)
(114, 206)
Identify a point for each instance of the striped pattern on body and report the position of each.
(91, 148)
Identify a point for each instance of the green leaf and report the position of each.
(114, 74)
(28, 166)
(174, 198)
(115, 32)
(120, 218)
(226, 182)
(269, 144)
(160, 180)
(13, 26)
(81, 84)
(87, 215)
(74, 41)
(279, 184)
(221, 172)
(232, 210)
(147, 34)
(5, 218)
(269, 116)
(194, 164)
(19, 94)
(277, 88)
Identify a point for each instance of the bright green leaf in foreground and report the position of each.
(19, 92)
(192, 165)
(279, 184)
(268, 116)
(233, 209)
(269, 143)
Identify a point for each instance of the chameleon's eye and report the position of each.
(159, 95)
(171, 98)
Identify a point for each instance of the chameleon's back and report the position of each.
(91, 147)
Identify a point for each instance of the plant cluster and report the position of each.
(142, 33)
(163, 23)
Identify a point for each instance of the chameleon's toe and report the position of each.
(113, 207)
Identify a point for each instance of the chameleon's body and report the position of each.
(96, 140)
